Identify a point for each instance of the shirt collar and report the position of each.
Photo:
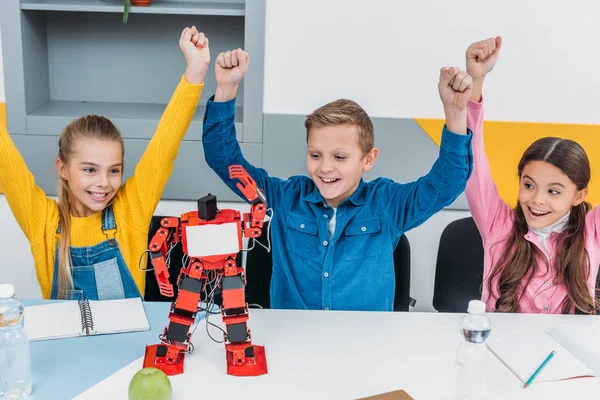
(357, 198)
(557, 227)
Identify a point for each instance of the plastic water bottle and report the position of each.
(15, 369)
(472, 354)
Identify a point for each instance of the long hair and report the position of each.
(519, 261)
(86, 127)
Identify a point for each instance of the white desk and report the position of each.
(346, 355)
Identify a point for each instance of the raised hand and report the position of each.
(230, 69)
(194, 46)
(482, 56)
(455, 88)
(481, 59)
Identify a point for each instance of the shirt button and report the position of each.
(548, 283)
(325, 215)
(546, 307)
(325, 243)
(326, 274)
(363, 229)
(326, 308)
(301, 226)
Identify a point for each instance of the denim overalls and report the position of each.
(99, 272)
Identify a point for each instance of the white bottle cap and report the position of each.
(476, 307)
(7, 291)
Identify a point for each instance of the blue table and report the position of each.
(63, 368)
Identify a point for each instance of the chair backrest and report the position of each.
(259, 269)
(459, 268)
(402, 271)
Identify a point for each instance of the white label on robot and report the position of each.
(212, 240)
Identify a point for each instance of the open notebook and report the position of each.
(577, 354)
(85, 317)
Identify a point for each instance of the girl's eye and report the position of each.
(89, 170)
(528, 185)
(115, 171)
(553, 192)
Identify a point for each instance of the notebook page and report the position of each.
(116, 316)
(53, 321)
(524, 353)
(581, 340)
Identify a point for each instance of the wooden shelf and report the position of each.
(157, 7)
(135, 120)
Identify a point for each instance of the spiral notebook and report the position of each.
(85, 318)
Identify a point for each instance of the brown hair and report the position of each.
(344, 112)
(86, 127)
(571, 261)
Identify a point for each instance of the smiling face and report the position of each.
(93, 173)
(546, 194)
(335, 161)
(341, 145)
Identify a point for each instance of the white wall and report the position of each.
(386, 54)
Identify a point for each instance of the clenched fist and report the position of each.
(194, 46)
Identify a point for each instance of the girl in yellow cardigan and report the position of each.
(90, 242)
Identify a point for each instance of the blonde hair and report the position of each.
(344, 112)
(86, 127)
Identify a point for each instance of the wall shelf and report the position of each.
(68, 58)
(135, 120)
(157, 7)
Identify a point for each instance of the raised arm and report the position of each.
(27, 201)
(415, 202)
(485, 203)
(144, 189)
(221, 148)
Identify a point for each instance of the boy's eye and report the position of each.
(89, 170)
(314, 156)
(340, 158)
(528, 185)
(115, 171)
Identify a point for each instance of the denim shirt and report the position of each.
(354, 270)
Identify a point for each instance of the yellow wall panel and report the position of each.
(2, 118)
(505, 143)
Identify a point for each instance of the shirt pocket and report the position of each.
(301, 238)
(361, 239)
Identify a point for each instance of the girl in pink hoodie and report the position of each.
(543, 255)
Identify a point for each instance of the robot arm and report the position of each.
(253, 221)
(167, 234)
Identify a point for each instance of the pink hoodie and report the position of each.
(494, 219)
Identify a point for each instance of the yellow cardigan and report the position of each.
(133, 205)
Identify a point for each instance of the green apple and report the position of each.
(150, 384)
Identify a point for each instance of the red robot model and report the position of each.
(211, 258)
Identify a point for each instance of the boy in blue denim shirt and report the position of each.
(333, 235)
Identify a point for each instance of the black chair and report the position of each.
(152, 293)
(459, 268)
(259, 269)
(402, 298)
